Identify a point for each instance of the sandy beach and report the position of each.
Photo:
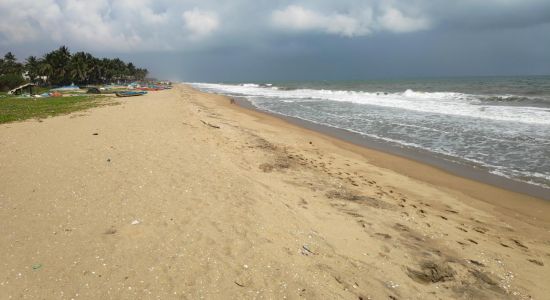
(182, 195)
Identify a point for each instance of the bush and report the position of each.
(10, 81)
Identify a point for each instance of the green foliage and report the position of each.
(10, 81)
(9, 65)
(32, 67)
(57, 63)
(82, 66)
(17, 109)
(60, 67)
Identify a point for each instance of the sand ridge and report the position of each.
(182, 195)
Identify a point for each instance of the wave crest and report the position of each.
(448, 103)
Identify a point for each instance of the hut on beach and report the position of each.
(27, 88)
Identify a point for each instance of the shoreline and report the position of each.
(425, 166)
(419, 155)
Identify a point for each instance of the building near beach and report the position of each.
(27, 88)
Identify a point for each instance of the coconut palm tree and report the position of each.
(80, 67)
(45, 70)
(59, 67)
(131, 71)
(141, 74)
(10, 65)
(32, 67)
(11, 72)
(58, 62)
(96, 74)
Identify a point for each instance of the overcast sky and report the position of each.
(261, 40)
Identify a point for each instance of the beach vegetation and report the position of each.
(8, 81)
(17, 109)
(10, 71)
(60, 67)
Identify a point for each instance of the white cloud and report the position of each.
(15, 13)
(89, 22)
(200, 23)
(74, 21)
(99, 25)
(297, 18)
(358, 23)
(394, 20)
(157, 25)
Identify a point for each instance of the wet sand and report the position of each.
(180, 194)
(446, 164)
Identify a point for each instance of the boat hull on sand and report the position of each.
(130, 94)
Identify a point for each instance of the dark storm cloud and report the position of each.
(305, 39)
(492, 14)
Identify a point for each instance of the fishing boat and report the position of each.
(130, 93)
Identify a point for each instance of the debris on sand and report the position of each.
(211, 125)
(111, 230)
(135, 222)
(431, 272)
(239, 284)
(307, 251)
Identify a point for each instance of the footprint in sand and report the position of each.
(536, 262)
(384, 235)
(481, 230)
(462, 229)
(520, 244)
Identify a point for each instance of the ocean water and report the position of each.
(501, 124)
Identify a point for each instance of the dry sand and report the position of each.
(181, 195)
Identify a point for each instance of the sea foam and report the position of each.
(449, 103)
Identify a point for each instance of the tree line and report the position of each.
(60, 67)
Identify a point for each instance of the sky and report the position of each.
(261, 40)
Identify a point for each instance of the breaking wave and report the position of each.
(499, 107)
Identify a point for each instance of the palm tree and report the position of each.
(46, 70)
(59, 67)
(58, 61)
(32, 66)
(96, 74)
(108, 70)
(141, 74)
(11, 72)
(131, 71)
(80, 67)
(10, 65)
(119, 69)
